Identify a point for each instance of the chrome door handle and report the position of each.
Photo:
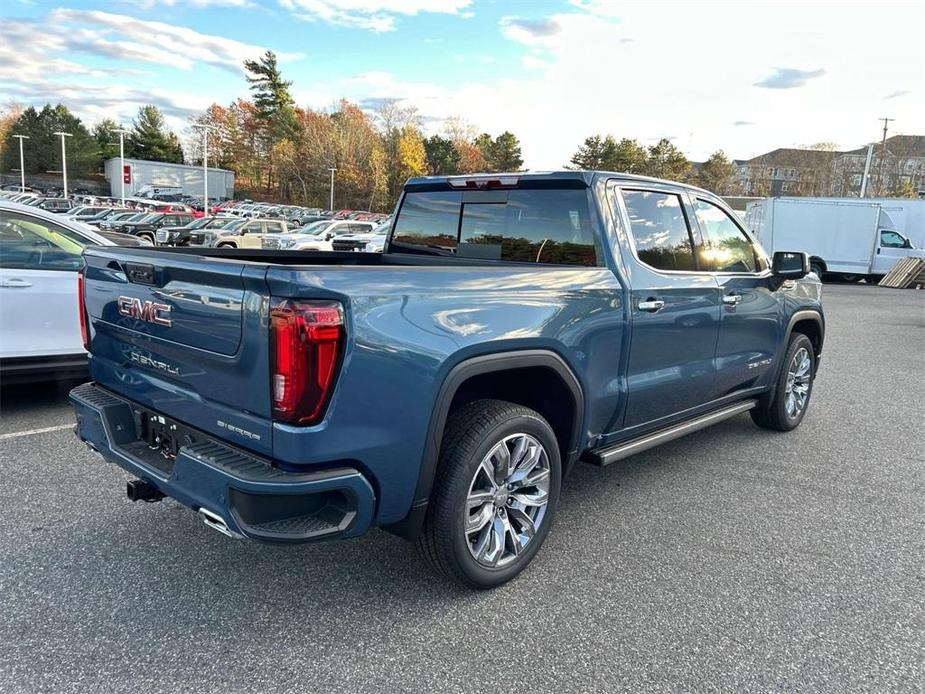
(651, 305)
(732, 299)
(15, 283)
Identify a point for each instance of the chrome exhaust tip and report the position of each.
(216, 522)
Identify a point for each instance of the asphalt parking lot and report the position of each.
(734, 559)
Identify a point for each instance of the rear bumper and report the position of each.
(252, 498)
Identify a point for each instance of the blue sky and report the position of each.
(745, 77)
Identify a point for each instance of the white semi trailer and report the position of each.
(850, 239)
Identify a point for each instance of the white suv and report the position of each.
(317, 236)
(248, 234)
(40, 254)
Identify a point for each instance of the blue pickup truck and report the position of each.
(442, 390)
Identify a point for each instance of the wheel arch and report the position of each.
(495, 375)
(808, 322)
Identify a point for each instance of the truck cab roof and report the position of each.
(540, 178)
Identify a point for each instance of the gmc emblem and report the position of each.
(148, 311)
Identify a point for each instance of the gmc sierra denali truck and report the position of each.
(442, 390)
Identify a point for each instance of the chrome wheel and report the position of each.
(799, 377)
(507, 500)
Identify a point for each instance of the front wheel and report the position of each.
(226, 245)
(495, 494)
(785, 406)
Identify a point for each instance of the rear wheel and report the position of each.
(816, 267)
(226, 245)
(784, 407)
(851, 278)
(495, 494)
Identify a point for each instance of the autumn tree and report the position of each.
(9, 115)
(471, 159)
(216, 122)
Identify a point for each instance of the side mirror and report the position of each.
(328, 236)
(791, 265)
(907, 244)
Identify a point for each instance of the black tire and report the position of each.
(226, 245)
(470, 435)
(874, 279)
(147, 237)
(851, 278)
(816, 267)
(771, 411)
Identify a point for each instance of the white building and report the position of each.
(140, 173)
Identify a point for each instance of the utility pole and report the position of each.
(64, 160)
(870, 154)
(22, 166)
(122, 132)
(332, 169)
(882, 156)
(205, 164)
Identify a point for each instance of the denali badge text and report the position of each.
(145, 360)
(148, 311)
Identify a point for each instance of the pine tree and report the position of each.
(717, 174)
(506, 152)
(150, 138)
(272, 100)
(667, 161)
(592, 153)
(442, 157)
(43, 149)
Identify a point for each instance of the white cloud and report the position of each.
(121, 36)
(789, 78)
(374, 15)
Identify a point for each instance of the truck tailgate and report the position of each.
(166, 332)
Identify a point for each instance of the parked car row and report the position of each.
(225, 231)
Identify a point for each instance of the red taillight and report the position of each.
(306, 340)
(82, 311)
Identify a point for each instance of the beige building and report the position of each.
(792, 171)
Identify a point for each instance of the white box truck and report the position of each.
(849, 239)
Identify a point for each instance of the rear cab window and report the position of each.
(529, 225)
(660, 230)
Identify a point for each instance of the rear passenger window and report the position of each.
(660, 230)
(532, 226)
(725, 246)
(523, 225)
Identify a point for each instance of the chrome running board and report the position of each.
(624, 449)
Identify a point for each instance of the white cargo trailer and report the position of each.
(852, 239)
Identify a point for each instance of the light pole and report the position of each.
(122, 133)
(332, 169)
(64, 159)
(205, 164)
(22, 166)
